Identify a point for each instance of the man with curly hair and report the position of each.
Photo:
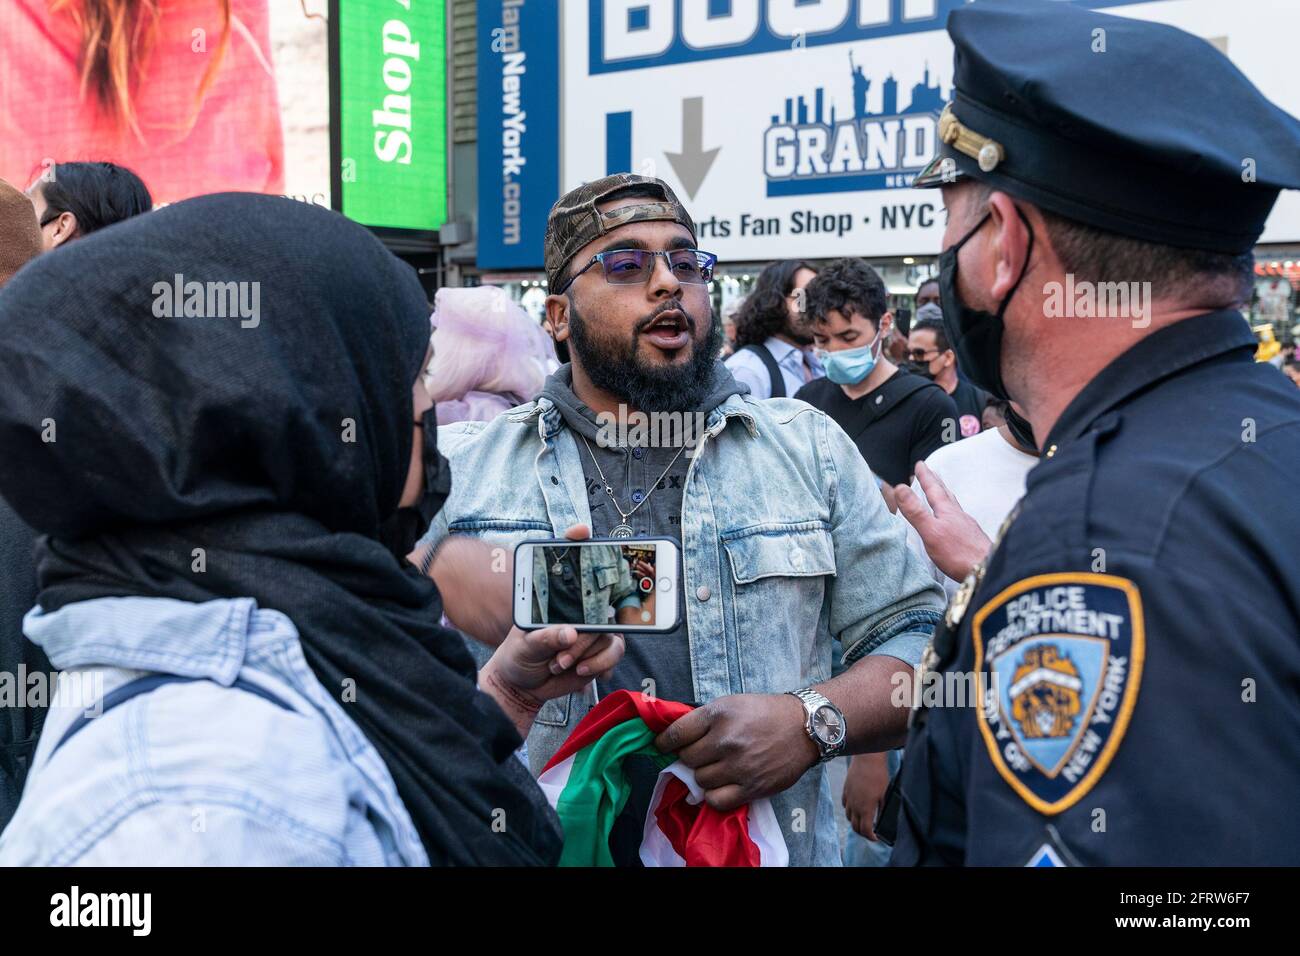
(773, 354)
(894, 417)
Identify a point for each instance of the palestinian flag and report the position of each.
(585, 784)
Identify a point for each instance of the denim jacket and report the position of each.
(199, 773)
(787, 547)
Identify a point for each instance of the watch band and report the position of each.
(812, 701)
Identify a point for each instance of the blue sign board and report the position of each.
(518, 129)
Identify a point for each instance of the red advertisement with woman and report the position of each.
(195, 96)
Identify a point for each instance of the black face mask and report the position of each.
(976, 336)
(403, 529)
(918, 368)
(1020, 429)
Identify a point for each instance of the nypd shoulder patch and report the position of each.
(1060, 660)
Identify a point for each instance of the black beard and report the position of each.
(621, 372)
(800, 332)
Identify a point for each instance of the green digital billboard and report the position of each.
(390, 112)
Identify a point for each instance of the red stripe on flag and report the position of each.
(703, 836)
(618, 707)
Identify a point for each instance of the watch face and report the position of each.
(827, 725)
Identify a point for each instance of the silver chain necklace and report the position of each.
(624, 530)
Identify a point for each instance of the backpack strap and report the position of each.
(773, 370)
(899, 388)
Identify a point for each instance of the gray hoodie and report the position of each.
(657, 664)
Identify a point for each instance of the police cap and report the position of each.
(1129, 126)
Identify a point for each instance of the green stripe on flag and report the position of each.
(597, 790)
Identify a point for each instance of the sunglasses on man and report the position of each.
(634, 266)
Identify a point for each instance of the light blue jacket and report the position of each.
(787, 546)
(199, 773)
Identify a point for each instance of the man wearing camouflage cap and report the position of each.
(1132, 638)
(787, 544)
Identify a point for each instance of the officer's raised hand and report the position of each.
(952, 538)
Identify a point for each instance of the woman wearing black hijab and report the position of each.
(208, 413)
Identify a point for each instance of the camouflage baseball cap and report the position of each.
(575, 221)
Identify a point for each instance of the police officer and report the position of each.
(1134, 636)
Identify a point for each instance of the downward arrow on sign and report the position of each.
(693, 163)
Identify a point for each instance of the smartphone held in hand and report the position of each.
(627, 585)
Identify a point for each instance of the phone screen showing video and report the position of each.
(598, 583)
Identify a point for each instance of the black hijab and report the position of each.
(278, 443)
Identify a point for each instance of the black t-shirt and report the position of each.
(895, 425)
(564, 591)
(970, 401)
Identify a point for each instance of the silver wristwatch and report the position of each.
(823, 723)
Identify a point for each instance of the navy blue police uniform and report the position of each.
(1132, 644)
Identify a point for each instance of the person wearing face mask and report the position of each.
(222, 573)
(894, 418)
(930, 356)
(927, 293)
(1129, 704)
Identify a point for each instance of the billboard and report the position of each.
(391, 112)
(518, 129)
(341, 104)
(196, 96)
(794, 129)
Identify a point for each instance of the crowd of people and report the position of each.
(271, 562)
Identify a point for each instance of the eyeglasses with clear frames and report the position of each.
(634, 266)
